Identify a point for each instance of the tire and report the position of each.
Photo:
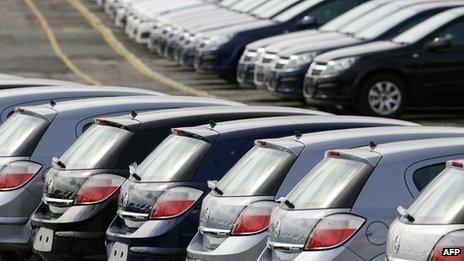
(383, 95)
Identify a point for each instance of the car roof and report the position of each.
(28, 82)
(459, 11)
(432, 5)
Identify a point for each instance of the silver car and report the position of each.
(432, 228)
(33, 135)
(342, 208)
(9, 83)
(270, 170)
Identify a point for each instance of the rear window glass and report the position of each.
(174, 160)
(258, 173)
(423, 176)
(442, 202)
(97, 148)
(333, 183)
(20, 133)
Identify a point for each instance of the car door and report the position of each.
(442, 70)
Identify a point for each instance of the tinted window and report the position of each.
(98, 147)
(442, 202)
(333, 183)
(422, 177)
(272, 7)
(20, 133)
(454, 33)
(344, 19)
(175, 159)
(258, 173)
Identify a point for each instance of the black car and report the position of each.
(80, 190)
(423, 66)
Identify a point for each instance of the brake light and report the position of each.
(98, 188)
(175, 202)
(334, 153)
(261, 142)
(457, 164)
(17, 174)
(254, 218)
(333, 231)
(449, 248)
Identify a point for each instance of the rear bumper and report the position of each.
(233, 248)
(337, 254)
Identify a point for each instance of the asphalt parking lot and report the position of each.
(52, 39)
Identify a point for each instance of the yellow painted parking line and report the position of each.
(56, 47)
(133, 60)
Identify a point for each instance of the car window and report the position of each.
(174, 160)
(369, 19)
(454, 33)
(345, 18)
(258, 173)
(423, 176)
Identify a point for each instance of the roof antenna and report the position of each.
(372, 145)
(133, 114)
(52, 103)
(298, 135)
(212, 124)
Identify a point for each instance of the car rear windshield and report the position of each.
(258, 173)
(98, 148)
(442, 202)
(295, 10)
(333, 183)
(272, 8)
(369, 19)
(20, 134)
(174, 160)
(342, 20)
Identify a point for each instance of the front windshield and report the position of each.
(272, 8)
(425, 28)
(97, 148)
(333, 183)
(295, 10)
(175, 159)
(20, 134)
(442, 202)
(342, 20)
(258, 173)
(247, 5)
(369, 19)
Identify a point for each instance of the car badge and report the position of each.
(277, 229)
(125, 200)
(396, 244)
(50, 187)
(206, 214)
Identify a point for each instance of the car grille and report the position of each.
(316, 69)
(281, 63)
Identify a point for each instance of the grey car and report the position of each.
(432, 228)
(342, 208)
(9, 83)
(29, 96)
(33, 135)
(269, 171)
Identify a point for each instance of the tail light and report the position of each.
(254, 218)
(333, 231)
(175, 202)
(17, 174)
(449, 248)
(98, 188)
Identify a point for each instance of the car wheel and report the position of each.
(383, 95)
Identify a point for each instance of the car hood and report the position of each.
(415, 242)
(363, 49)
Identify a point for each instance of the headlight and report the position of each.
(336, 67)
(215, 42)
(296, 61)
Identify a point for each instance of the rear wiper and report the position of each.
(58, 163)
(286, 202)
(404, 213)
(133, 171)
(212, 184)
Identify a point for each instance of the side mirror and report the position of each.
(438, 43)
(306, 22)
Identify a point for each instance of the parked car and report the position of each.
(288, 73)
(9, 76)
(33, 82)
(341, 209)
(150, 225)
(79, 195)
(10, 99)
(221, 50)
(432, 227)
(255, 55)
(418, 67)
(233, 225)
(33, 135)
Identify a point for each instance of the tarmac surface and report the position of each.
(54, 39)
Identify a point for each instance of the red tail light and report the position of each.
(98, 188)
(254, 219)
(334, 153)
(333, 231)
(17, 174)
(457, 164)
(175, 202)
(449, 248)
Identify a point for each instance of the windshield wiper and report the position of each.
(137, 177)
(286, 202)
(133, 171)
(58, 163)
(212, 184)
(404, 213)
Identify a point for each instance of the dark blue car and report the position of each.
(159, 205)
